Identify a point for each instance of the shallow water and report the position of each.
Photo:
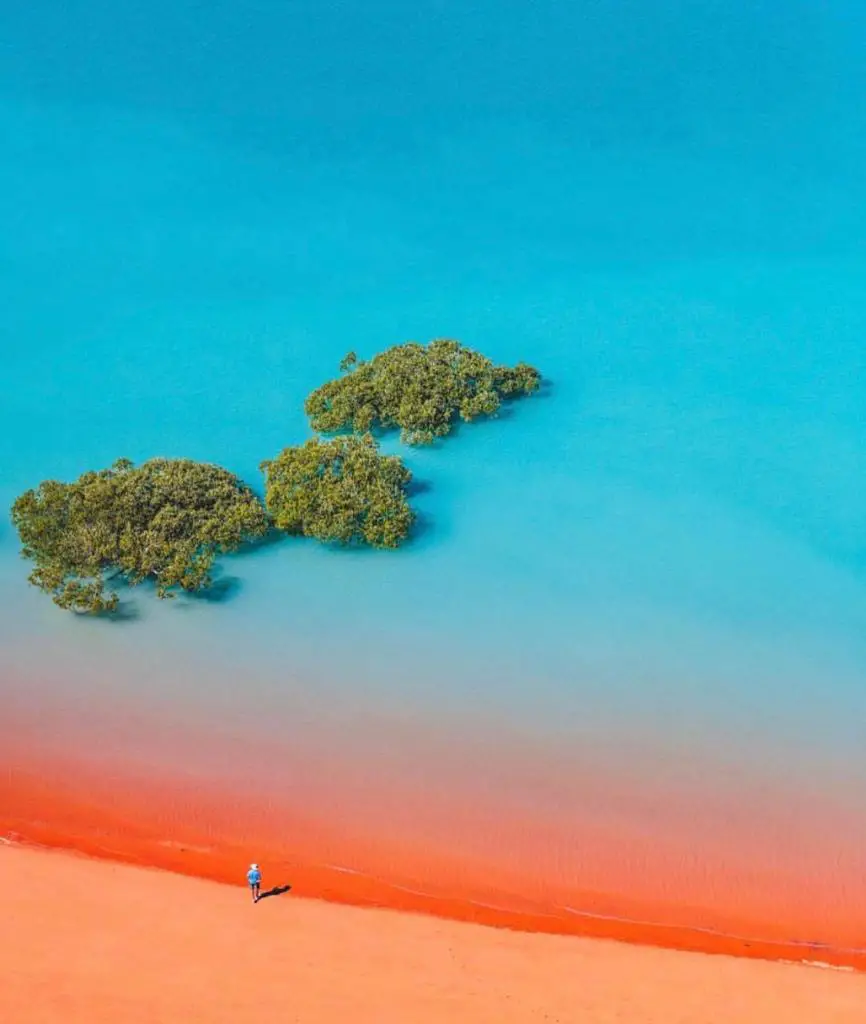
(626, 652)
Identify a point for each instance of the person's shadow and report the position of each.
(277, 890)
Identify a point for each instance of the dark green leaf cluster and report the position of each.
(165, 520)
(422, 389)
(339, 491)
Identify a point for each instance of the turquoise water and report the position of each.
(663, 556)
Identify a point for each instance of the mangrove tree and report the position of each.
(422, 389)
(165, 520)
(339, 491)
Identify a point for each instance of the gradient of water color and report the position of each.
(626, 653)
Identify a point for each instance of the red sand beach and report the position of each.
(87, 941)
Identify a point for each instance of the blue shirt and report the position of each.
(254, 876)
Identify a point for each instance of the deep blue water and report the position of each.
(661, 206)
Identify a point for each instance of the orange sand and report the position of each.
(85, 942)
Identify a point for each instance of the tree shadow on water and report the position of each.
(422, 527)
(512, 405)
(126, 611)
(224, 588)
(416, 487)
(272, 537)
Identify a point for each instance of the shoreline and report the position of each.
(205, 829)
(321, 882)
(135, 944)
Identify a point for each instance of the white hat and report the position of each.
(253, 865)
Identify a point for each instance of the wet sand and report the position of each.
(83, 940)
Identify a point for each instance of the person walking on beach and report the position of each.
(254, 877)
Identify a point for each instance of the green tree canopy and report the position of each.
(421, 389)
(341, 491)
(165, 520)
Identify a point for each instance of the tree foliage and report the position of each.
(341, 491)
(421, 389)
(165, 520)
